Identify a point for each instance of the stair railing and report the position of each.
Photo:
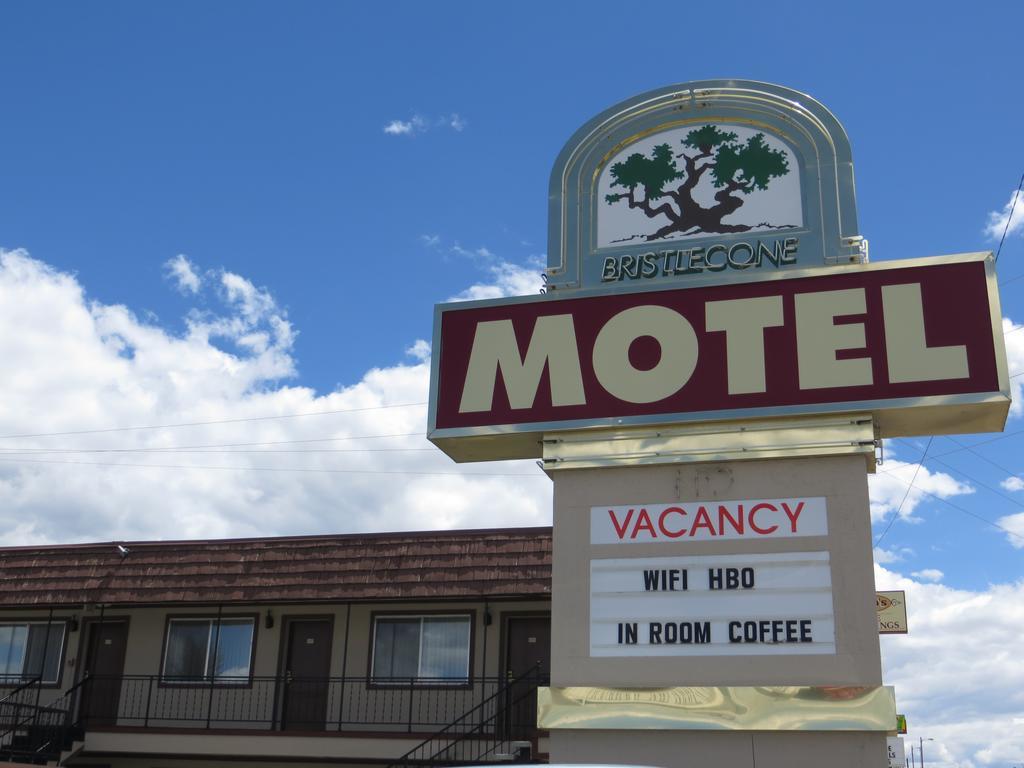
(45, 728)
(485, 738)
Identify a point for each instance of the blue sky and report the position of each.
(322, 173)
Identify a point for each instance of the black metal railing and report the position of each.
(502, 727)
(34, 731)
(391, 705)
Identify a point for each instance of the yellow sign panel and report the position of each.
(892, 612)
(734, 708)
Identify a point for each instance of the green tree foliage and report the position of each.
(735, 168)
(650, 173)
(707, 138)
(753, 163)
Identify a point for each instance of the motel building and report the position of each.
(377, 650)
(706, 380)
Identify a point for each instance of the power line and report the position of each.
(966, 512)
(969, 478)
(905, 495)
(1009, 218)
(275, 469)
(208, 423)
(203, 446)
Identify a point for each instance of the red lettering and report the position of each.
(757, 508)
(702, 520)
(723, 515)
(792, 514)
(643, 520)
(661, 522)
(620, 530)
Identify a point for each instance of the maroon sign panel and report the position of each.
(890, 335)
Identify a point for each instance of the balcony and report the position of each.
(383, 719)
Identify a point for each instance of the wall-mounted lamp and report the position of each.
(487, 617)
(73, 624)
(269, 621)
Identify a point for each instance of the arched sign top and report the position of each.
(702, 182)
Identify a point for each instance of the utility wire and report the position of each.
(971, 479)
(202, 446)
(208, 423)
(966, 512)
(275, 469)
(1013, 205)
(905, 495)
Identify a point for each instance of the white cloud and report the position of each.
(890, 484)
(420, 349)
(505, 277)
(421, 124)
(997, 219)
(1015, 525)
(305, 475)
(1014, 340)
(958, 674)
(894, 555)
(928, 574)
(431, 241)
(183, 272)
(1013, 483)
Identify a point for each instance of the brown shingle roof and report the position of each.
(512, 562)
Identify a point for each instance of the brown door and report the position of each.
(307, 667)
(527, 652)
(104, 668)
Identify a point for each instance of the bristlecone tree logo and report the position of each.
(698, 182)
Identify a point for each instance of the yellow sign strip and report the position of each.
(719, 708)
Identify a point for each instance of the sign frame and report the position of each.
(825, 165)
(907, 416)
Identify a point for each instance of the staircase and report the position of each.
(35, 733)
(493, 731)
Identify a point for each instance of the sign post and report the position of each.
(705, 381)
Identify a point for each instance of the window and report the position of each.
(29, 650)
(422, 649)
(208, 649)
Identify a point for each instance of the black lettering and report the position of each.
(654, 633)
(805, 631)
(749, 631)
(714, 578)
(734, 636)
(671, 633)
(673, 580)
(650, 581)
(790, 631)
(747, 578)
(627, 633)
(702, 633)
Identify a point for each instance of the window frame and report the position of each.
(163, 681)
(460, 682)
(12, 682)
